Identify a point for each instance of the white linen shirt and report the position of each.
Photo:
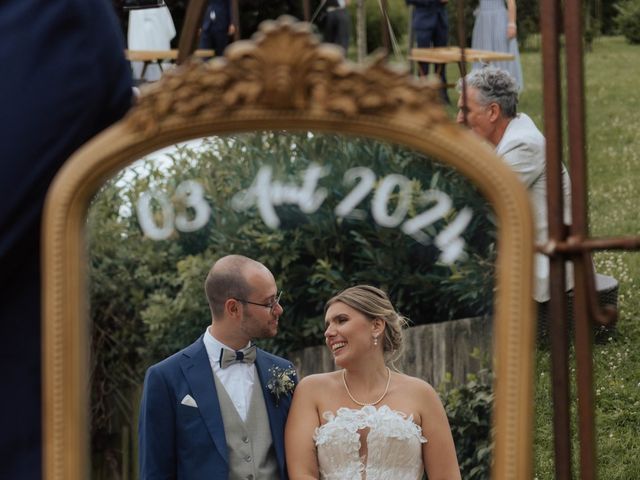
(522, 147)
(237, 379)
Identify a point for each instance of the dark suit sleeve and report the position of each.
(156, 429)
(64, 79)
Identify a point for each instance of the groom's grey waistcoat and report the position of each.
(251, 452)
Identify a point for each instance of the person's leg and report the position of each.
(329, 31)
(342, 29)
(441, 39)
(216, 40)
(423, 40)
(220, 41)
(424, 23)
(441, 34)
(206, 41)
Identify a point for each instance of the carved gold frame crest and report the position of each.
(283, 79)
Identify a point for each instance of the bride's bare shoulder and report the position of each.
(414, 385)
(319, 381)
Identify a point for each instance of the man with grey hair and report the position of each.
(491, 112)
(217, 408)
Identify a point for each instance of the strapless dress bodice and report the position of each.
(393, 445)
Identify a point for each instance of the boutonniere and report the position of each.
(281, 381)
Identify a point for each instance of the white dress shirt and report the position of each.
(237, 379)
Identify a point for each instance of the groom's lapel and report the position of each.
(197, 370)
(276, 415)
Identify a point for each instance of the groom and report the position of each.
(217, 409)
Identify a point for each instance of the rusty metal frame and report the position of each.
(572, 244)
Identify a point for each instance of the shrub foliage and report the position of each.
(147, 298)
(469, 409)
(628, 20)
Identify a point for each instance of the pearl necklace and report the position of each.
(386, 389)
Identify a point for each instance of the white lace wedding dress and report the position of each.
(393, 445)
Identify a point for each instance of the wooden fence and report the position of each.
(432, 352)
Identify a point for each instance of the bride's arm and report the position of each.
(439, 453)
(300, 448)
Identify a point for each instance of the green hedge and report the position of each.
(147, 298)
(398, 17)
(469, 410)
(314, 256)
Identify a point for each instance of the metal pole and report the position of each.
(577, 245)
(384, 19)
(579, 228)
(559, 337)
(306, 9)
(463, 61)
(410, 39)
(235, 19)
(190, 27)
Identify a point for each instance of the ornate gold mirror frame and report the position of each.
(283, 80)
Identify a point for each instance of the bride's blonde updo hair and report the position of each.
(374, 303)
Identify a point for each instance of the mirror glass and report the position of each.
(323, 211)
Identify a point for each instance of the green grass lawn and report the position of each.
(612, 99)
(612, 70)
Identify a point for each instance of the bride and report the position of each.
(366, 421)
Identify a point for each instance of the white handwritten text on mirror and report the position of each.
(266, 194)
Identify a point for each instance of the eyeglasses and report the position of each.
(271, 305)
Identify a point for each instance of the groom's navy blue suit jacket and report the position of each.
(182, 442)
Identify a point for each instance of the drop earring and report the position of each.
(375, 340)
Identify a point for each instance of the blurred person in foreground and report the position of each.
(65, 80)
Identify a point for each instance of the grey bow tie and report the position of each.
(229, 357)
